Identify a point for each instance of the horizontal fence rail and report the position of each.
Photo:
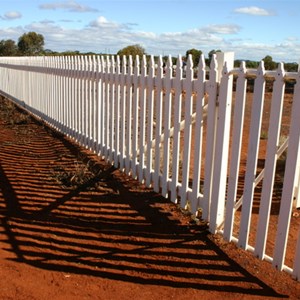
(181, 130)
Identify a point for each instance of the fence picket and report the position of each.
(128, 121)
(95, 104)
(91, 104)
(142, 131)
(122, 112)
(118, 111)
(211, 135)
(85, 103)
(77, 99)
(221, 150)
(72, 94)
(88, 102)
(135, 117)
(200, 90)
(176, 134)
(67, 96)
(167, 127)
(238, 123)
(286, 203)
(60, 107)
(150, 115)
(158, 126)
(188, 111)
(113, 99)
(99, 77)
(107, 108)
(270, 163)
(255, 126)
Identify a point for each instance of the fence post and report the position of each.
(221, 150)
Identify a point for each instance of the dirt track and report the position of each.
(103, 235)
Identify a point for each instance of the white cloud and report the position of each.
(105, 36)
(292, 38)
(11, 15)
(253, 10)
(44, 28)
(222, 28)
(71, 6)
(103, 22)
(12, 33)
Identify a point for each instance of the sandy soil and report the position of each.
(68, 231)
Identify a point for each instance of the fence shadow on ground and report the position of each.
(108, 227)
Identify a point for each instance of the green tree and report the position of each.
(210, 55)
(252, 64)
(8, 48)
(70, 53)
(291, 67)
(196, 54)
(31, 43)
(132, 50)
(269, 63)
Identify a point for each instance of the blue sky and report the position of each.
(252, 29)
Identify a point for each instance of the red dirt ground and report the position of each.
(72, 232)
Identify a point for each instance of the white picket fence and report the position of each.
(178, 134)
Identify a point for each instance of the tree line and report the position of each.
(32, 44)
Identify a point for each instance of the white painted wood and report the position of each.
(286, 202)
(100, 98)
(212, 89)
(72, 97)
(84, 104)
(135, 118)
(255, 126)
(91, 115)
(97, 104)
(123, 113)
(67, 96)
(59, 108)
(167, 126)
(217, 210)
(143, 105)
(78, 98)
(177, 129)
(270, 163)
(107, 107)
(94, 105)
(116, 108)
(187, 131)
(90, 104)
(200, 89)
(128, 111)
(237, 138)
(149, 121)
(296, 188)
(158, 126)
(112, 106)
